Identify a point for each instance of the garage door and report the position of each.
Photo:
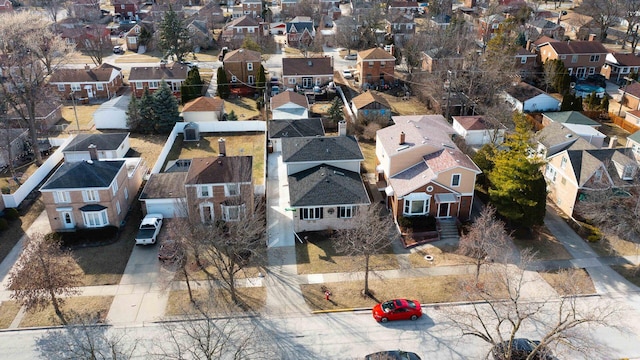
(168, 208)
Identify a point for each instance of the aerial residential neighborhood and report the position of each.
(313, 179)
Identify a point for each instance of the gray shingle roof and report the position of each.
(173, 71)
(165, 185)
(556, 134)
(635, 136)
(307, 66)
(295, 128)
(102, 142)
(571, 117)
(325, 148)
(220, 170)
(586, 162)
(324, 185)
(82, 174)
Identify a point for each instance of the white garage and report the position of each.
(112, 114)
(164, 193)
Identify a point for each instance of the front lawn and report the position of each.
(8, 312)
(10, 237)
(89, 305)
(628, 271)
(443, 255)
(543, 244)
(216, 303)
(580, 279)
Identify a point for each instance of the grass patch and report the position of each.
(629, 272)
(246, 143)
(433, 289)
(556, 279)
(443, 255)
(17, 228)
(85, 117)
(245, 108)
(321, 108)
(148, 147)
(215, 301)
(611, 129)
(317, 255)
(544, 245)
(89, 305)
(8, 312)
(412, 106)
(614, 246)
(370, 159)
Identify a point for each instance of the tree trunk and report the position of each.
(56, 307)
(186, 278)
(33, 132)
(478, 264)
(232, 288)
(366, 275)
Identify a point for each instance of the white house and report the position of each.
(478, 131)
(112, 114)
(289, 105)
(527, 98)
(106, 146)
(203, 109)
(633, 142)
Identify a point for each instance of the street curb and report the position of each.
(339, 310)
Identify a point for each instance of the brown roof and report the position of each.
(449, 158)
(204, 104)
(375, 54)
(220, 170)
(173, 71)
(633, 90)
(523, 91)
(544, 39)
(307, 66)
(367, 98)
(164, 185)
(243, 21)
(101, 73)
(242, 55)
(472, 122)
(289, 97)
(578, 47)
(627, 59)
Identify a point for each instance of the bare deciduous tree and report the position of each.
(44, 275)
(97, 43)
(53, 7)
(86, 338)
(505, 311)
(373, 231)
(604, 13)
(32, 52)
(487, 240)
(630, 12)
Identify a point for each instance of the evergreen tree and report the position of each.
(336, 113)
(223, 84)
(484, 159)
(604, 104)
(571, 102)
(250, 43)
(174, 39)
(192, 86)
(517, 186)
(262, 79)
(231, 116)
(556, 75)
(147, 116)
(145, 36)
(165, 108)
(133, 114)
(521, 40)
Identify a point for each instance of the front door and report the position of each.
(67, 220)
(206, 213)
(443, 210)
(89, 92)
(581, 73)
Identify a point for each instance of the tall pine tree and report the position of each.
(133, 114)
(262, 79)
(165, 108)
(223, 84)
(147, 116)
(192, 86)
(517, 186)
(174, 39)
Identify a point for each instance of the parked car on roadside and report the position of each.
(118, 49)
(347, 74)
(393, 355)
(520, 350)
(397, 309)
(351, 57)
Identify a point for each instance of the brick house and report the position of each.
(581, 58)
(141, 78)
(375, 67)
(617, 66)
(84, 36)
(242, 67)
(87, 10)
(252, 8)
(631, 96)
(5, 7)
(300, 31)
(91, 194)
(236, 30)
(126, 8)
(101, 82)
(305, 73)
(440, 60)
(401, 26)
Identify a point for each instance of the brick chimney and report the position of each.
(401, 138)
(93, 152)
(163, 64)
(87, 67)
(342, 128)
(592, 37)
(222, 147)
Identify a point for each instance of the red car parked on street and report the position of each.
(398, 309)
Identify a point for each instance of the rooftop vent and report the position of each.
(568, 136)
(403, 147)
(310, 63)
(338, 172)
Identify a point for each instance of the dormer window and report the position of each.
(598, 175)
(563, 162)
(629, 172)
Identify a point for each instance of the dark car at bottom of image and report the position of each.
(393, 355)
(520, 350)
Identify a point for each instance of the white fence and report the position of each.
(13, 200)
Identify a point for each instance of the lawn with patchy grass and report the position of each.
(89, 305)
(245, 108)
(370, 159)
(218, 302)
(413, 106)
(8, 312)
(629, 272)
(615, 246)
(246, 143)
(85, 117)
(17, 228)
(148, 147)
(557, 278)
(317, 255)
(544, 245)
(443, 255)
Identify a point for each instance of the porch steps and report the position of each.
(448, 230)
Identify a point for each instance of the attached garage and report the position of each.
(164, 193)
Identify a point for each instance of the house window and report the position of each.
(114, 189)
(318, 81)
(126, 194)
(598, 175)
(563, 162)
(233, 213)
(495, 26)
(523, 60)
(231, 190)
(99, 86)
(455, 180)
(75, 87)
(370, 63)
(574, 59)
(234, 78)
(250, 66)
(594, 58)
(122, 6)
(153, 84)
(551, 174)
(563, 57)
(592, 70)
(61, 87)
(175, 85)
(382, 64)
(91, 195)
(204, 191)
(250, 79)
(346, 212)
(139, 85)
(118, 207)
(628, 173)
(311, 214)
(61, 197)
(636, 148)
(94, 219)
(416, 204)
(250, 30)
(292, 81)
